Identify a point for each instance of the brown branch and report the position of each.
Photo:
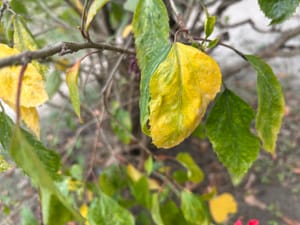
(61, 48)
(19, 89)
(247, 21)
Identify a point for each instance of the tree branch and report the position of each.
(61, 48)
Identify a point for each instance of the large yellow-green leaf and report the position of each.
(228, 128)
(270, 103)
(151, 32)
(24, 40)
(181, 88)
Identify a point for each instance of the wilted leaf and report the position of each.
(270, 103)
(53, 202)
(33, 92)
(106, 211)
(278, 10)
(95, 7)
(151, 31)
(194, 209)
(221, 206)
(194, 173)
(228, 129)
(24, 40)
(72, 82)
(181, 88)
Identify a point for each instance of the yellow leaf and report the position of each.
(127, 30)
(181, 88)
(221, 206)
(33, 92)
(84, 212)
(136, 175)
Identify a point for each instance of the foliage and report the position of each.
(178, 81)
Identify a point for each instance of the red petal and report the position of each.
(238, 222)
(253, 222)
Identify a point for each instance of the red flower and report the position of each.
(250, 222)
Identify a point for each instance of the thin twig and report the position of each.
(61, 48)
(18, 97)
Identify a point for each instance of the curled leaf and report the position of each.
(95, 7)
(181, 88)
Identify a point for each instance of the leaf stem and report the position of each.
(19, 89)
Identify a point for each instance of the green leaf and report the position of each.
(4, 165)
(149, 165)
(213, 43)
(141, 192)
(151, 31)
(180, 176)
(24, 40)
(209, 25)
(123, 125)
(200, 132)
(18, 7)
(171, 214)
(72, 83)
(52, 199)
(270, 103)
(278, 10)
(27, 218)
(53, 83)
(155, 210)
(228, 128)
(95, 7)
(49, 158)
(194, 209)
(106, 211)
(194, 173)
(130, 5)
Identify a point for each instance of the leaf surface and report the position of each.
(72, 83)
(106, 211)
(181, 88)
(228, 129)
(195, 174)
(95, 7)
(151, 31)
(278, 10)
(270, 103)
(193, 208)
(221, 206)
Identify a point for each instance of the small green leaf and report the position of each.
(27, 218)
(228, 128)
(24, 40)
(151, 31)
(195, 174)
(149, 165)
(141, 192)
(72, 83)
(200, 132)
(95, 7)
(171, 214)
(180, 176)
(209, 25)
(106, 211)
(4, 165)
(123, 125)
(278, 10)
(27, 159)
(53, 83)
(213, 43)
(155, 210)
(130, 5)
(194, 209)
(270, 103)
